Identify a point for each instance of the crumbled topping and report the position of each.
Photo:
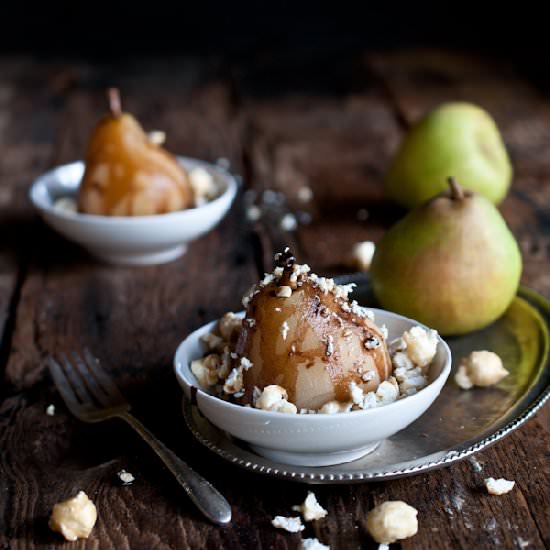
(284, 292)
(401, 360)
(498, 486)
(205, 375)
(126, 477)
(384, 331)
(234, 382)
(330, 346)
(334, 407)
(268, 278)
(342, 291)
(212, 341)
(323, 284)
(274, 398)
(311, 509)
(362, 254)
(392, 521)
(396, 345)
(347, 333)
(480, 368)
(74, 518)
(278, 309)
(356, 309)
(298, 271)
(229, 326)
(247, 298)
(386, 393)
(292, 525)
(368, 376)
(203, 185)
(313, 544)
(50, 410)
(256, 394)
(284, 330)
(421, 345)
(246, 363)
(372, 343)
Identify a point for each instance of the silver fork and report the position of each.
(92, 396)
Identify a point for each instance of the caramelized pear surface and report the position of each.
(307, 344)
(128, 175)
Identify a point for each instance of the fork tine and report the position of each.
(97, 391)
(104, 380)
(77, 383)
(63, 385)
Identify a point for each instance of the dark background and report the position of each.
(240, 30)
(306, 45)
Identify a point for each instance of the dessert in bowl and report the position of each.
(308, 377)
(132, 202)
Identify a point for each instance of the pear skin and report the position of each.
(455, 138)
(451, 264)
(128, 175)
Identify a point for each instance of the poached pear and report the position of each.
(126, 173)
(302, 333)
(455, 138)
(452, 263)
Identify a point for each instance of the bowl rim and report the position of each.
(231, 186)
(318, 417)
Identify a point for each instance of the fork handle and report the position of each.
(207, 499)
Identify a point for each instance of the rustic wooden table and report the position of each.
(283, 123)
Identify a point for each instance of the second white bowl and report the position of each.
(316, 439)
(134, 240)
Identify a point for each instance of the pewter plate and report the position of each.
(459, 423)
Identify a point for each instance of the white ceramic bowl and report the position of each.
(317, 439)
(134, 240)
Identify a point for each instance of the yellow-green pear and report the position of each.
(451, 264)
(455, 138)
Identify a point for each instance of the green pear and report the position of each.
(455, 138)
(451, 264)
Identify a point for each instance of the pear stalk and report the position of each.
(115, 106)
(457, 193)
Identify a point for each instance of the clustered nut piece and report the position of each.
(310, 509)
(74, 518)
(292, 525)
(480, 368)
(392, 521)
(498, 486)
(313, 544)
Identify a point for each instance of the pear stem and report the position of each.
(457, 193)
(113, 95)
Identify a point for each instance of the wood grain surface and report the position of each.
(283, 124)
